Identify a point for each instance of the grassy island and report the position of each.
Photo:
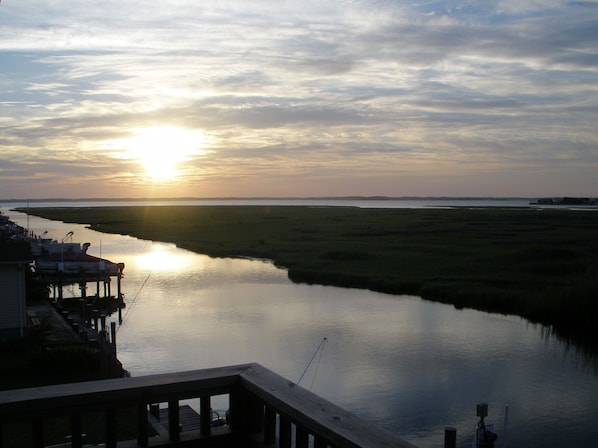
(541, 264)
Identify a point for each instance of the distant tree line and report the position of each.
(567, 201)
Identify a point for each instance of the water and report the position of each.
(410, 366)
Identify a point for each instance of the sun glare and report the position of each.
(161, 150)
(163, 257)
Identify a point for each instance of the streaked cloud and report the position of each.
(334, 98)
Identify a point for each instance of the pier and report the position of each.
(59, 264)
(60, 315)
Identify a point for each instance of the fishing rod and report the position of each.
(129, 309)
(320, 349)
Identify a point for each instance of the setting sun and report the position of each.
(162, 149)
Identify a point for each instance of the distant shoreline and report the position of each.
(278, 198)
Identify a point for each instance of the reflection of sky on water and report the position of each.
(409, 365)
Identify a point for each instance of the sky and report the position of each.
(239, 98)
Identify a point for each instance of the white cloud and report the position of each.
(330, 86)
(528, 6)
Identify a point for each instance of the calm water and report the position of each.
(410, 366)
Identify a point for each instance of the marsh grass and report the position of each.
(539, 264)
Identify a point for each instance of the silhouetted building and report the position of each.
(15, 258)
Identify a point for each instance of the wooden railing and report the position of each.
(264, 409)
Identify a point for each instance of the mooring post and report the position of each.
(450, 437)
(113, 331)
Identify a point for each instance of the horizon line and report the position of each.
(237, 198)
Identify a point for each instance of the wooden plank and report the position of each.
(189, 420)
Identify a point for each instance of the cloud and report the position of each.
(338, 87)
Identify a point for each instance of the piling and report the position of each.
(113, 331)
(450, 437)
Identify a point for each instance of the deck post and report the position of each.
(38, 433)
(301, 437)
(113, 333)
(142, 425)
(119, 279)
(253, 414)
(236, 410)
(285, 432)
(205, 415)
(269, 426)
(110, 428)
(155, 410)
(320, 443)
(76, 431)
(173, 420)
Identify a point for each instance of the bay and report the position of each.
(408, 365)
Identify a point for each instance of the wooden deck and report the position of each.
(189, 419)
(265, 409)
